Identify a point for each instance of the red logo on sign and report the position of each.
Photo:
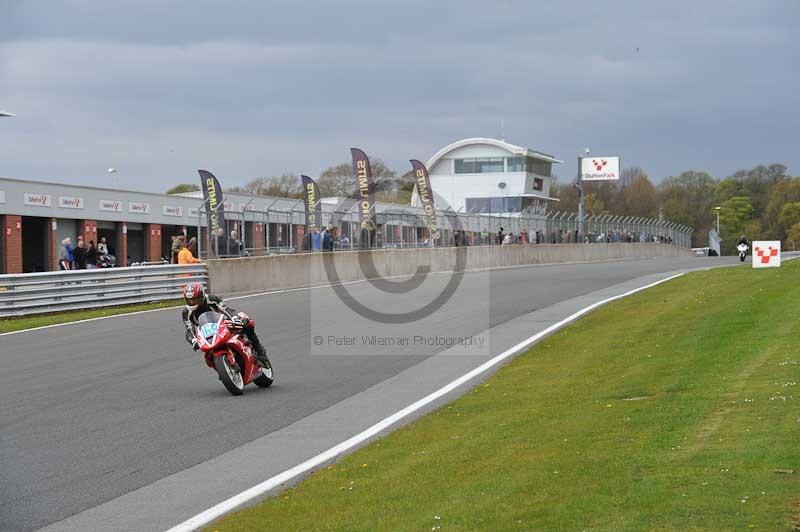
(766, 255)
(599, 164)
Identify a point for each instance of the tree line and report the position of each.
(760, 203)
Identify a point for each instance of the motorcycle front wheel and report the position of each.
(231, 376)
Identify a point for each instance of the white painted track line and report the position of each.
(258, 490)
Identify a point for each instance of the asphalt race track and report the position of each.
(92, 411)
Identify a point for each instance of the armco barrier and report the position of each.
(275, 272)
(35, 293)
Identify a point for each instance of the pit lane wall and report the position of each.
(250, 275)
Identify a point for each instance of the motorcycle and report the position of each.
(106, 261)
(230, 354)
(742, 251)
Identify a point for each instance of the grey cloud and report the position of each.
(259, 88)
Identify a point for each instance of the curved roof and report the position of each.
(512, 148)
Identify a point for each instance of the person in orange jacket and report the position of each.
(185, 256)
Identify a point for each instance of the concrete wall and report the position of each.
(275, 272)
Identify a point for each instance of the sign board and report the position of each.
(38, 200)
(767, 254)
(2, 196)
(714, 241)
(246, 207)
(110, 205)
(600, 168)
(170, 210)
(194, 212)
(70, 202)
(138, 207)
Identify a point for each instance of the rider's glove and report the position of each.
(195, 345)
(237, 324)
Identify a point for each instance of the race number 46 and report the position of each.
(766, 254)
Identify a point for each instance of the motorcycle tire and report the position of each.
(230, 377)
(267, 376)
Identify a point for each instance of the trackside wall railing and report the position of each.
(36, 293)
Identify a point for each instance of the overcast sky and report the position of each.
(245, 89)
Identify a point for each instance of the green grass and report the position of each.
(667, 410)
(40, 320)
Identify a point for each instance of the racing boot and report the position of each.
(260, 352)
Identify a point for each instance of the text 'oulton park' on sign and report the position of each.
(600, 168)
(138, 207)
(70, 202)
(170, 210)
(38, 200)
(111, 205)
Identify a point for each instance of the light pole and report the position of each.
(580, 191)
(112, 171)
(718, 209)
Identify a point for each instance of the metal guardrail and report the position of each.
(37, 293)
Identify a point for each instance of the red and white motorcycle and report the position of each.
(230, 354)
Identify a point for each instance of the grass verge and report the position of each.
(672, 409)
(40, 320)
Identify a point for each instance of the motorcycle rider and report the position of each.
(197, 301)
(743, 240)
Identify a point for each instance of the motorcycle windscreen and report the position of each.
(208, 325)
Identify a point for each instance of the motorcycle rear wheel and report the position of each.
(267, 376)
(231, 377)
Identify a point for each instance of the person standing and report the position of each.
(185, 256)
(91, 256)
(102, 247)
(328, 237)
(79, 256)
(65, 255)
(177, 243)
(236, 248)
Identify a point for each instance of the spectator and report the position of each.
(102, 247)
(220, 242)
(508, 239)
(192, 245)
(328, 237)
(91, 256)
(79, 256)
(178, 242)
(185, 255)
(500, 236)
(65, 255)
(314, 241)
(344, 242)
(235, 247)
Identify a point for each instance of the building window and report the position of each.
(484, 165)
(538, 183)
(535, 166)
(515, 164)
(503, 204)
